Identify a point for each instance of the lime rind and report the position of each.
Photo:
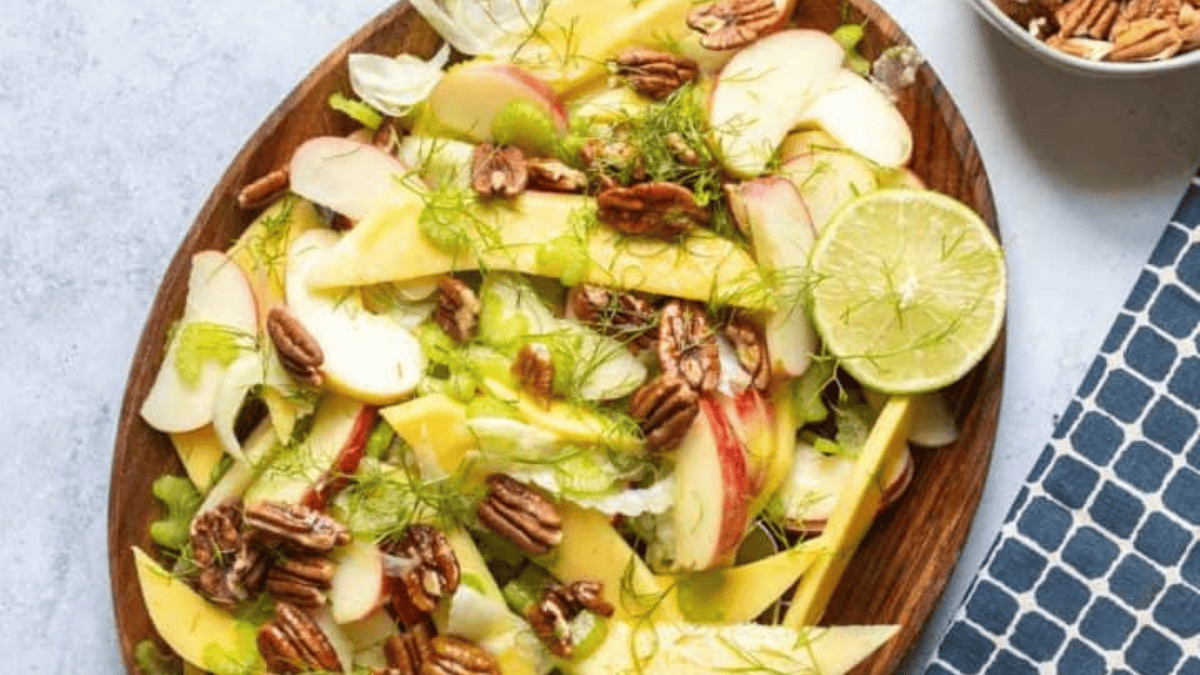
(908, 289)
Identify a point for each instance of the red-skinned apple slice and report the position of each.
(470, 96)
(863, 119)
(336, 442)
(825, 175)
(358, 586)
(752, 419)
(367, 356)
(764, 92)
(351, 178)
(712, 494)
(771, 211)
(219, 294)
(812, 489)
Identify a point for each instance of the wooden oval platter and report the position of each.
(900, 570)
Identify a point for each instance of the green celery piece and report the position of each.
(356, 110)
(181, 500)
(806, 392)
(153, 661)
(380, 439)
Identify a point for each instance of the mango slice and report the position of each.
(389, 246)
(188, 623)
(689, 649)
(200, 451)
(854, 512)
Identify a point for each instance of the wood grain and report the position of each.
(903, 565)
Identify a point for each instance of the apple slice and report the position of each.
(826, 179)
(712, 493)
(470, 96)
(358, 587)
(351, 178)
(863, 119)
(765, 91)
(336, 442)
(218, 294)
(367, 356)
(781, 232)
(690, 649)
(752, 419)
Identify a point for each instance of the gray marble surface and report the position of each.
(118, 116)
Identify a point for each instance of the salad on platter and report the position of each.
(595, 350)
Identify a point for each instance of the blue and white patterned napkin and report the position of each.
(1096, 569)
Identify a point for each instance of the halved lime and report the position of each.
(908, 289)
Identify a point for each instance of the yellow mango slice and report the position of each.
(435, 427)
(187, 622)
(739, 594)
(592, 549)
(854, 512)
(200, 451)
(389, 246)
(574, 38)
(690, 649)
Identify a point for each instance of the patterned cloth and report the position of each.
(1096, 569)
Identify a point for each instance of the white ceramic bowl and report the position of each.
(994, 16)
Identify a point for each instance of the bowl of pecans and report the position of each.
(1103, 37)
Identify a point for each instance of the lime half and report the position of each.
(908, 289)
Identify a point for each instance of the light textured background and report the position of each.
(117, 117)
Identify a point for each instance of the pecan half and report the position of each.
(551, 616)
(299, 352)
(293, 643)
(534, 369)
(687, 347)
(664, 409)
(408, 651)
(264, 190)
(301, 581)
(296, 527)
(230, 568)
(457, 309)
(664, 210)
(551, 174)
(432, 571)
(655, 74)
(1147, 40)
(450, 655)
(750, 345)
(498, 171)
(521, 515)
(1086, 18)
(627, 316)
(733, 24)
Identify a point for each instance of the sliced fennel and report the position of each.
(394, 85)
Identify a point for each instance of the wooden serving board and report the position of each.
(901, 568)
